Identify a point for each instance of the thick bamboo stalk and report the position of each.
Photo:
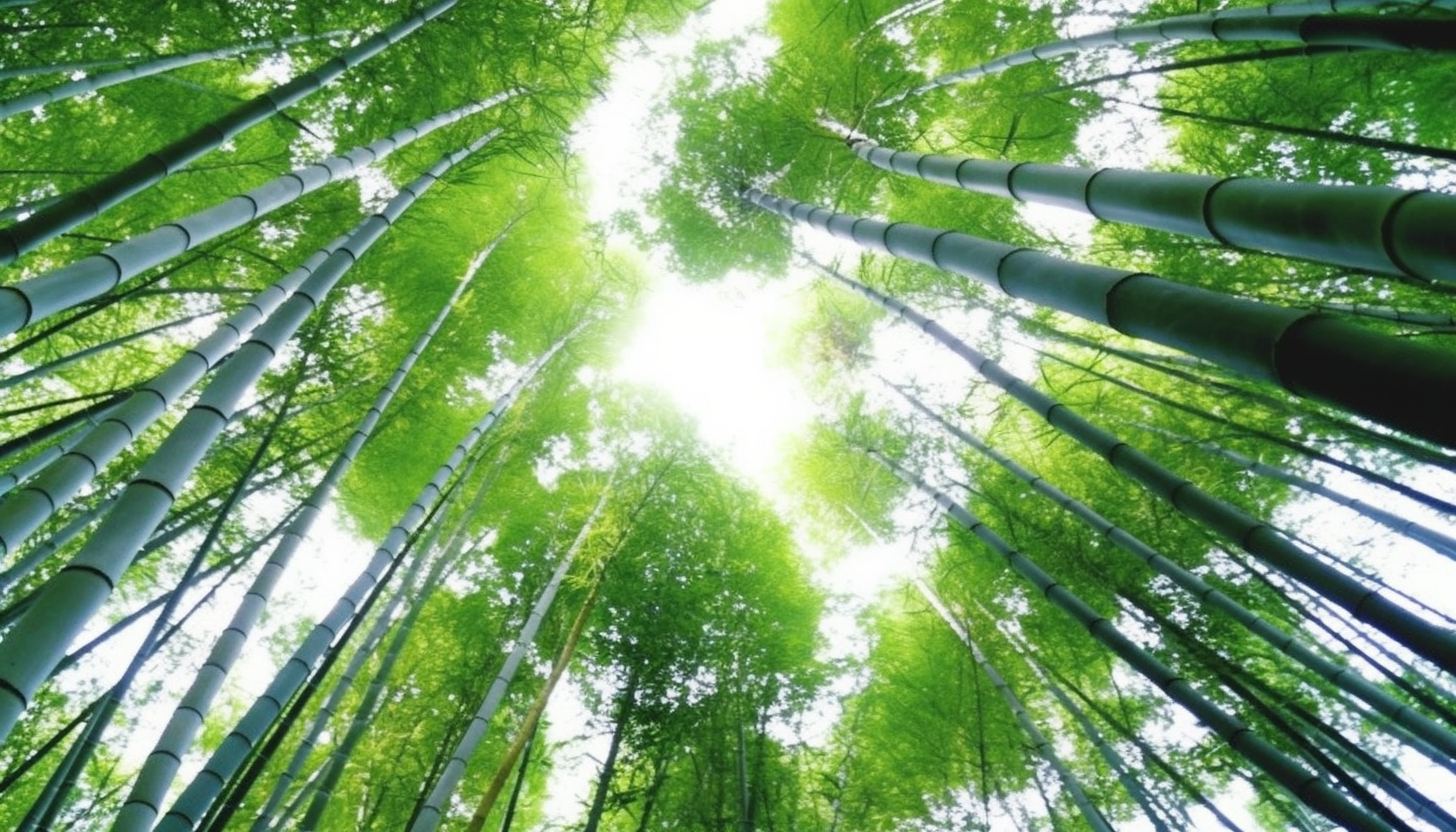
(428, 818)
(228, 759)
(1290, 774)
(31, 649)
(1379, 229)
(31, 300)
(91, 83)
(140, 809)
(1377, 376)
(1343, 677)
(1287, 23)
(81, 205)
(1253, 535)
(1039, 743)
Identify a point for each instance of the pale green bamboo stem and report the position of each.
(430, 813)
(1378, 229)
(31, 649)
(80, 206)
(31, 300)
(229, 758)
(91, 83)
(139, 811)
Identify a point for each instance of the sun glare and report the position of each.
(712, 350)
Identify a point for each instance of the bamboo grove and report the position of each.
(1180, 519)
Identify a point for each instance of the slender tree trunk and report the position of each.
(626, 705)
(142, 805)
(1319, 795)
(1038, 741)
(79, 206)
(30, 650)
(31, 300)
(528, 726)
(50, 367)
(91, 83)
(1377, 229)
(1255, 536)
(433, 810)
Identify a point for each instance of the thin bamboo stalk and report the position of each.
(81, 205)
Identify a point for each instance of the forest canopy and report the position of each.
(1115, 487)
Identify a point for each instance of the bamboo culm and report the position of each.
(1255, 536)
(1341, 676)
(31, 649)
(1371, 228)
(79, 206)
(28, 301)
(139, 810)
(1303, 23)
(91, 83)
(428, 818)
(226, 761)
(1039, 743)
(1280, 768)
(1380, 377)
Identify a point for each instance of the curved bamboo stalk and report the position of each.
(1220, 517)
(1039, 743)
(91, 83)
(28, 301)
(139, 811)
(1287, 23)
(1293, 776)
(1372, 228)
(81, 205)
(430, 813)
(31, 649)
(1377, 376)
(228, 759)
(1342, 677)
